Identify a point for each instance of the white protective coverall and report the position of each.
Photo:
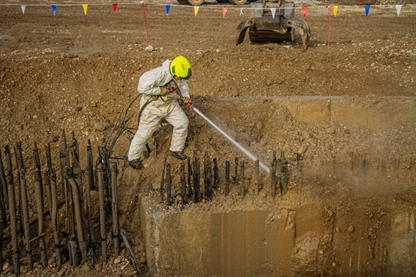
(164, 107)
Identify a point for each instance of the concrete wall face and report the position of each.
(307, 240)
(232, 243)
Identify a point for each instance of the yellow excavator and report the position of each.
(273, 21)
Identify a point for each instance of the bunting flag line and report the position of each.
(335, 10)
(398, 9)
(367, 9)
(224, 12)
(304, 10)
(54, 7)
(85, 8)
(253, 10)
(273, 10)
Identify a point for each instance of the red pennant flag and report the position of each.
(304, 9)
(115, 7)
(224, 12)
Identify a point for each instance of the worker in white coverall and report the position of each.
(159, 102)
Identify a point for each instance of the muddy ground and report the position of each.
(79, 72)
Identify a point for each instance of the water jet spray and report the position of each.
(239, 146)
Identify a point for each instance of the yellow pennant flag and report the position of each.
(196, 9)
(85, 8)
(335, 9)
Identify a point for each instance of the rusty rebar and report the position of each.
(3, 215)
(40, 210)
(236, 170)
(79, 228)
(190, 190)
(162, 181)
(25, 216)
(197, 186)
(89, 186)
(227, 177)
(102, 211)
(76, 174)
(273, 178)
(169, 197)
(62, 164)
(216, 175)
(39, 205)
(53, 206)
(12, 211)
(3, 192)
(241, 179)
(116, 229)
(207, 178)
(283, 173)
(183, 185)
(24, 210)
(257, 176)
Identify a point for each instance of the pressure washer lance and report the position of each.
(174, 87)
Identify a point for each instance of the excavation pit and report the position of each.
(345, 213)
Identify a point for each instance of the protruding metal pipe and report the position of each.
(78, 215)
(39, 206)
(207, 178)
(63, 163)
(216, 175)
(241, 180)
(197, 186)
(169, 185)
(257, 176)
(183, 185)
(12, 211)
(53, 206)
(25, 215)
(102, 212)
(190, 190)
(162, 181)
(227, 177)
(273, 178)
(116, 229)
(89, 186)
(3, 192)
(236, 170)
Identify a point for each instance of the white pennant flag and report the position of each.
(23, 7)
(398, 9)
(273, 10)
(241, 11)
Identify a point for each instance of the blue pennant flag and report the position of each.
(53, 9)
(367, 9)
(167, 8)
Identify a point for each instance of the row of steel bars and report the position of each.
(77, 223)
(190, 187)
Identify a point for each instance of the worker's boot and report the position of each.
(136, 164)
(179, 155)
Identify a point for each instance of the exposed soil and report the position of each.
(79, 72)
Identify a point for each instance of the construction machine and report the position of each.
(274, 21)
(200, 2)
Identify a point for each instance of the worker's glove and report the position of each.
(164, 91)
(186, 100)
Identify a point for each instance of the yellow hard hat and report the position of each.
(181, 67)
